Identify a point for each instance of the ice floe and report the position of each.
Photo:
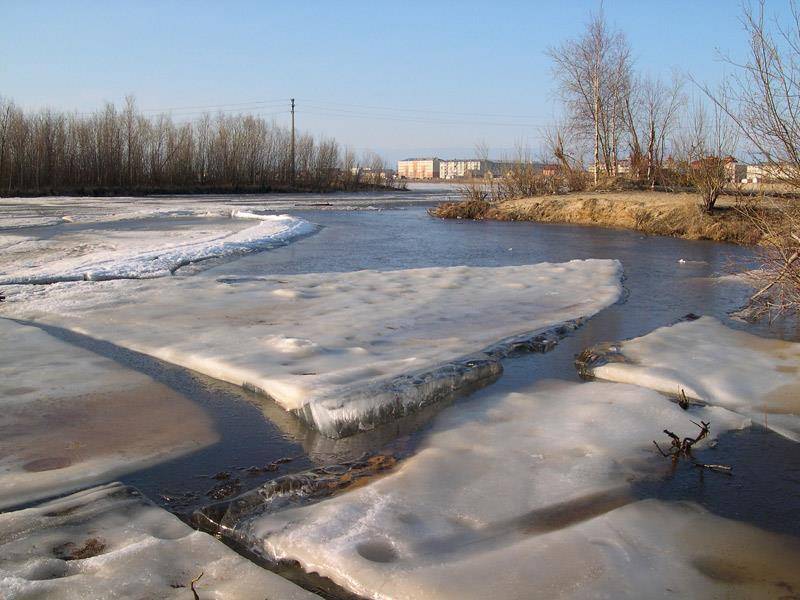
(714, 364)
(343, 351)
(70, 417)
(101, 254)
(529, 495)
(110, 542)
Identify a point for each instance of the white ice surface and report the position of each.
(70, 417)
(340, 349)
(527, 495)
(103, 254)
(109, 542)
(757, 377)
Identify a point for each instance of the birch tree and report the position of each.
(593, 72)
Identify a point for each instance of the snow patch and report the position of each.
(110, 542)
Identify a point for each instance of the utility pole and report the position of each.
(293, 162)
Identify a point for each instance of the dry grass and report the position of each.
(656, 213)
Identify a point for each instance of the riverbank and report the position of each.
(654, 213)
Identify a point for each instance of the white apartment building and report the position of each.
(418, 168)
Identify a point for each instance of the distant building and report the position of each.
(735, 170)
(755, 174)
(764, 173)
(370, 174)
(551, 170)
(464, 168)
(460, 168)
(418, 168)
(623, 167)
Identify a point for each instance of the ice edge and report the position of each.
(398, 396)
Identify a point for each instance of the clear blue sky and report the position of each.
(337, 58)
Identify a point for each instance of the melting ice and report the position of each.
(712, 363)
(343, 351)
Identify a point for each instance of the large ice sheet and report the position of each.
(102, 254)
(342, 350)
(526, 495)
(69, 417)
(109, 542)
(712, 363)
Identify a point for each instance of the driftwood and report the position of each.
(682, 448)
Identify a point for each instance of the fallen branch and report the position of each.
(191, 585)
(778, 277)
(682, 448)
(724, 469)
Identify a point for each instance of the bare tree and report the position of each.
(707, 148)
(593, 72)
(563, 145)
(762, 96)
(482, 150)
(651, 113)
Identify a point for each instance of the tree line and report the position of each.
(117, 150)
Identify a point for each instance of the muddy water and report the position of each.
(660, 289)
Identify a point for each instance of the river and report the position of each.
(665, 279)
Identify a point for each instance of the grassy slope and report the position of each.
(658, 213)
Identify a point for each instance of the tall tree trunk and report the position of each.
(596, 133)
(650, 158)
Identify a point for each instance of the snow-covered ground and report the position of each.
(97, 254)
(109, 542)
(711, 363)
(528, 495)
(69, 417)
(342, 350)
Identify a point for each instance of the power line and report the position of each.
(327, 112)
(188, 118)
(341, 109)
(238, 106)
(211, 106)
(429, 111)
